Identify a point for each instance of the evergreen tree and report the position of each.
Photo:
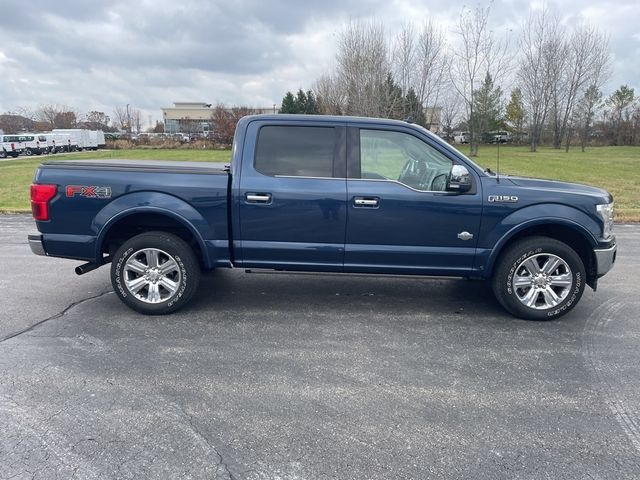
(301, 101)
(413, 108)
(487, 107)
(514, 115)
(620, 102)
(392, 99)
(311, 105)
(289, 104)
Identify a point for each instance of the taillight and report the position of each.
(40, 196)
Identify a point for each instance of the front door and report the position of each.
(401, 219)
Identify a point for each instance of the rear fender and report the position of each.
(158, 203)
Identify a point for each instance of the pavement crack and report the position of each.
(62, 313)
(205, 439)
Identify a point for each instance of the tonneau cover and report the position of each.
(142, 165)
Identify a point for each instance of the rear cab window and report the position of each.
(296, 151)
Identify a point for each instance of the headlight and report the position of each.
(606, 213)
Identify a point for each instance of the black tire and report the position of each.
(3, 154)
(28, 152)
(533, 300)
(185, 276)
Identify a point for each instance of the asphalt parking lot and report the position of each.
(286, 376)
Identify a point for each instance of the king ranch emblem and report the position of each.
(88, 191)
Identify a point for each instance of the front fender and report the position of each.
(152, 202)
(495, 236)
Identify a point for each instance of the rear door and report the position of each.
(401, 219)
(292, 196)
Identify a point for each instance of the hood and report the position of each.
(563, 187)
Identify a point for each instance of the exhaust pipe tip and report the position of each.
(90, 266)
(86, 268)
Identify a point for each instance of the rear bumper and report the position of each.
(605, 258)
(36, 245)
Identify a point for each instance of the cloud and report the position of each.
(97, 55)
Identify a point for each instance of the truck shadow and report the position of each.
(273, 292)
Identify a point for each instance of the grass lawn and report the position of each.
(616, 169)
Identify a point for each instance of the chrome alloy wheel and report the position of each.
(542, 281)
(152, 275)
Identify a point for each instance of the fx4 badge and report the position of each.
(88, 191)
(503, 198)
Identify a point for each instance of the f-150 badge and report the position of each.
(88, 191)
(503, 198)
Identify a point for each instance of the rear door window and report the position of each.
(296, 151)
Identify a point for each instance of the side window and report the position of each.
(387, 155)
(295, 151)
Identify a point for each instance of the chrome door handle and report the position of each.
(365, 202)
(258, 197)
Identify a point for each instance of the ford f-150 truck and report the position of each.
(325, 194)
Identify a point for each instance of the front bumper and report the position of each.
(36, 245)
(605, 258)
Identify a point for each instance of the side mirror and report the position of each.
(459, 179)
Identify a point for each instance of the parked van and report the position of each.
(462, 137)
(10, 146)
(33, 143)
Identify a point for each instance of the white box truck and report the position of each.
(79, 137)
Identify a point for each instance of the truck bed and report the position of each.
(137, 192)
(160, 166)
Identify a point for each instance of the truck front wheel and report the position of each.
(155, 273)
(539, 278)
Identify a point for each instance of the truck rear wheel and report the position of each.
(539, 278)
(155, 273)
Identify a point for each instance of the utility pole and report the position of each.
(128, 121)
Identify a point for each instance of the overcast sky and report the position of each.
(150, 53)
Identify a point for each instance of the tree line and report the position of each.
(544, 84)
(50, 116)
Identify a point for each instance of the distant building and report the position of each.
(195, 117)
(433, 118)
(187, 117)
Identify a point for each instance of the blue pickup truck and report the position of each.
(325, 194)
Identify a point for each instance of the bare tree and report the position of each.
(224, 121)
(330, 96)
(479, 54)
(58, 116)
(419, 65)
(432, 63)
(121, 118)
(586, 109)
(584, 57)
(450, 113)
(136, 120)
(362, 68)
(538, 47)
(404, 61)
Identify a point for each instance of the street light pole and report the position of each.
(128, 121)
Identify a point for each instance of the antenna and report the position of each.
(498, 161)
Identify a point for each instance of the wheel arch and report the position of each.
(571, 233)
(141, 212)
